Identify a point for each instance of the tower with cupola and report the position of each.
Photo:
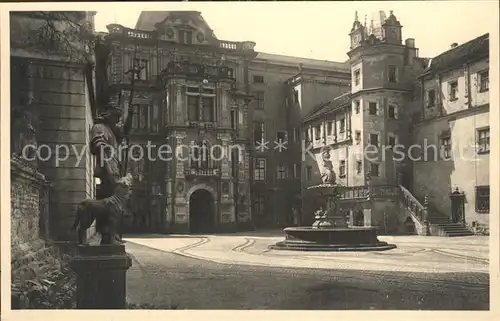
(379, 91)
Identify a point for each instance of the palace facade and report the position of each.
(197, 90)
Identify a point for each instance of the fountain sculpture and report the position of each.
(330, 230)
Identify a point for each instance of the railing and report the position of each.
(413, 205)
(116, 29)
(360, 192)
(354, 192)
(197, 70)
(193, 171)
(234, 45)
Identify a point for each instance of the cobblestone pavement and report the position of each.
(239, 272)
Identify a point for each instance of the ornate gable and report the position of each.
(187, 27)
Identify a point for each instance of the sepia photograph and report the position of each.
(251, 156)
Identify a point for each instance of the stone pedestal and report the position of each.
(101, 276)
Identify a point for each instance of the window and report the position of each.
(357, 137)
(483, 140)
(453, 85)
(342, 125)
(308, 173)
(392, 111)
(431, 98)
(258, 79)
(296, 170)
(259, 99)
(359, 167)
(342, 168)
(356, 106)
(142, 65)
(235, 161)
(185, 37)
(446, 146)
(317, 132)
(281, 136)
(281, 172)
(295, 96)
(207, 98)
(374, 139)
(189, 37)
(483, 199)
(484, 81)
(193, 108)
(357, 77)
(259, 171)
(372, 108)
(140, 119)
(393, 74)
(258, 132)
(391, 141)
(233, 119)
(208, 106)
(259, 203)
(200, 155)
(155, 118)
(374, 170)
(329, 128)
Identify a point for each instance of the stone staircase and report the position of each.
(439, 224)
(442, 226)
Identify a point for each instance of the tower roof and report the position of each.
(356, 24)
(392, 20)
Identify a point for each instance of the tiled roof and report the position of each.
(456, 56)
(306, 62)
(148, 19)
(328, 106)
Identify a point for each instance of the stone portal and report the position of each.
(201, 212)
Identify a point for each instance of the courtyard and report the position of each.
(238, 271)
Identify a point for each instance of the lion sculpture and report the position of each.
(106, 212)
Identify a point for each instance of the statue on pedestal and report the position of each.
(328, 175)
(105, 138)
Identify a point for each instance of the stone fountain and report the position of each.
(330, 230)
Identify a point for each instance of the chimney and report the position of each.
(454, 45)
(411, 51)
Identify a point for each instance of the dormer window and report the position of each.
(185, 36)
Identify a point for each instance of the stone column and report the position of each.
(351, 217)
(180, 215)
(101, 276)
(180, 154)
(367, 213)
(335, 129)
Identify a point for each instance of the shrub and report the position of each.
(45, 282)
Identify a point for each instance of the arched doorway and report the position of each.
(201, 212)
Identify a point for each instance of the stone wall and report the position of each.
(29, 206)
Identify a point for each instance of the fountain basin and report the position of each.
(331, 239)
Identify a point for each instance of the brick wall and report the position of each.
(29, 205)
